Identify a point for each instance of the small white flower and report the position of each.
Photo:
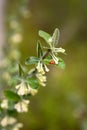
(41, 78)
(8, 121)
(52, 44)
(40, 68)
(23, 89)
(22, 106)
(42, 84)
(33, 91)
(17, 126)
(55, 51)
(4, 104)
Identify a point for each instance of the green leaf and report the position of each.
(55, 37)
(10, 95)
(44, 35)
(47, 60)
(21, 72)
(39, 49)
(60, 64)
(33, 83)
(31, 60)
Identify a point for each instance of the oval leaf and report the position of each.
(55, 37)
(10, 95)
(21, 72)
(31, 60)
(39, 50)
(33, 83)
(44, 35)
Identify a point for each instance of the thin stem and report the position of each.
(46, 54)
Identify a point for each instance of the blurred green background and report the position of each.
(62, 104)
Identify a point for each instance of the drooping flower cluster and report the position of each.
(41, 68)
(41, 79)
(24, 89)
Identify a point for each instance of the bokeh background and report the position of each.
(62, 104)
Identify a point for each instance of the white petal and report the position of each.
(4, 104)
(46, 69)
(59, 50)
(17, 86)
(33, 91)
(54, 58)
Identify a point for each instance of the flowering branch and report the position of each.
(27, 84)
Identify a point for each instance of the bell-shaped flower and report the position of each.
(40, 68)
(33, 91)
(22, 106)
(4, 104)
(23, 89)
(41, 79)
(8, 121)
